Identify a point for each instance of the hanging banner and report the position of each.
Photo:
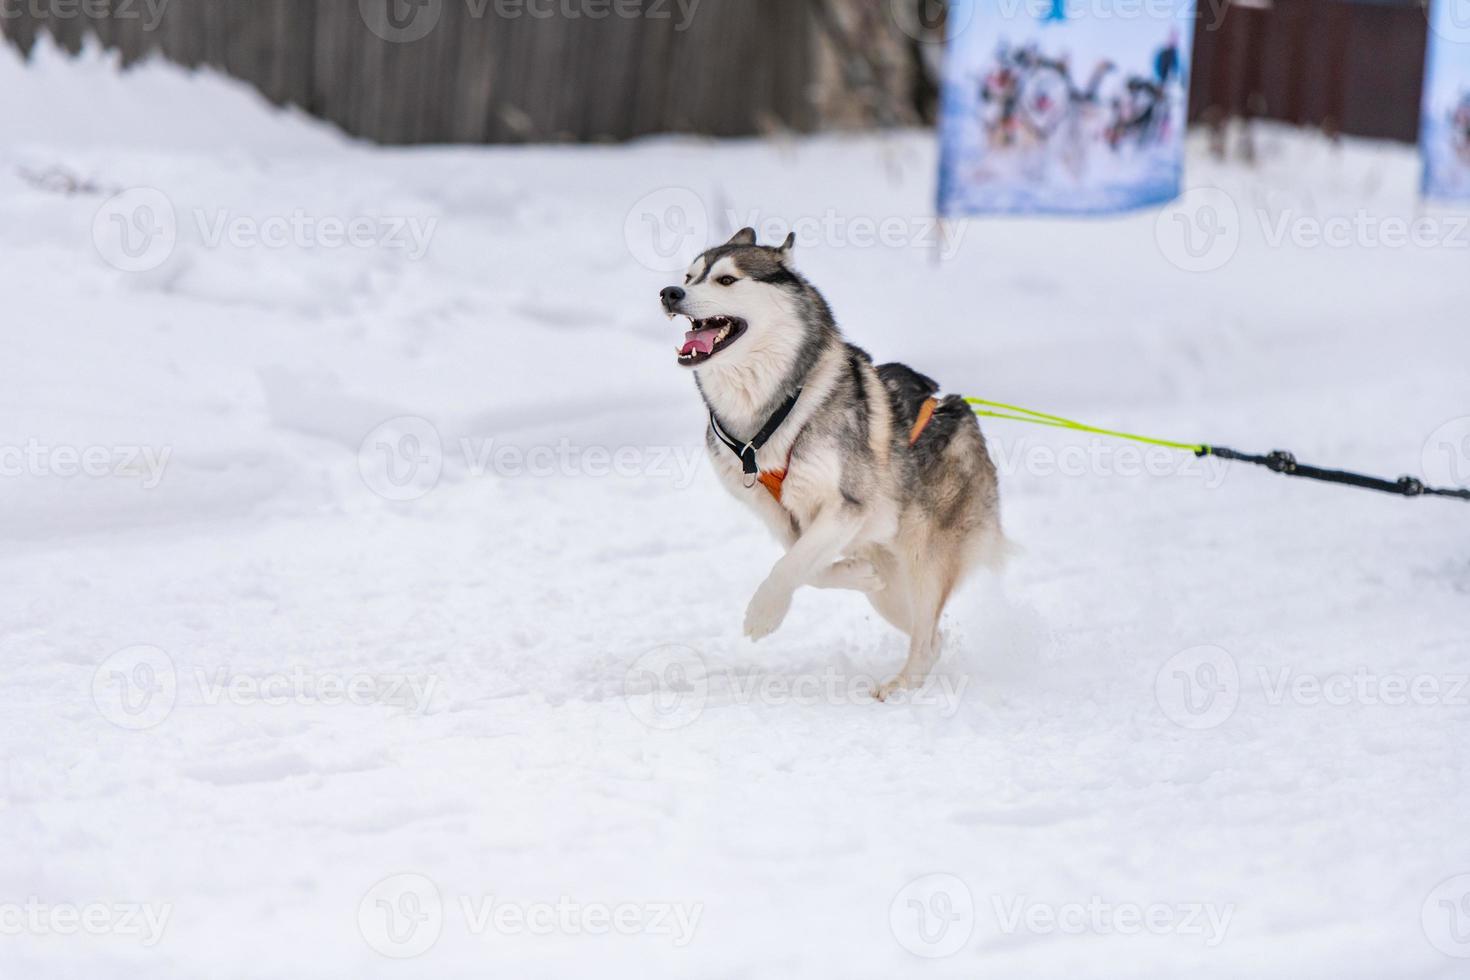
(1064, 106)
(1444, 126)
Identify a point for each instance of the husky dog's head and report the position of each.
(746, 304)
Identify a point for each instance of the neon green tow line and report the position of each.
(1056, 421)
(1279, 461)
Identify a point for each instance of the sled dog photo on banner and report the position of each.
(1064, 106)
(1444, 127)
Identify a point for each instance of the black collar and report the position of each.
(747, 452)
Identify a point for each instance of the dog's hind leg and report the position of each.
(930, 584)
(893, 606)
(892, 603)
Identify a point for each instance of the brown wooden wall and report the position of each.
(482, 77)
(1353, 67)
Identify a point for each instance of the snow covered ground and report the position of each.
(367, 610)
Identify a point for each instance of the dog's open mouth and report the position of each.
(708, 338)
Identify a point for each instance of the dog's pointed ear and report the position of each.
(745, 236)
(787, 247)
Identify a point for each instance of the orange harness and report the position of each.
(773, 479)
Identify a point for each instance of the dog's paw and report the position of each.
(766, 611)
(891, 687)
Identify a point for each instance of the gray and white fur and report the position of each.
(860, 508)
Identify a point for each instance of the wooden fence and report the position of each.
(496, 70)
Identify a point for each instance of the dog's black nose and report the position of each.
(672, 296)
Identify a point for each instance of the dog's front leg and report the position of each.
(813, 553)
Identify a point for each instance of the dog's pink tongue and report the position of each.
(702, 341)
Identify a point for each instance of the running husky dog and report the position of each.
(871, 482)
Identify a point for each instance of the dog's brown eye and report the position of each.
(727, 280)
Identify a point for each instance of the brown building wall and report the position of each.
(717, 67)
(1353, 67)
